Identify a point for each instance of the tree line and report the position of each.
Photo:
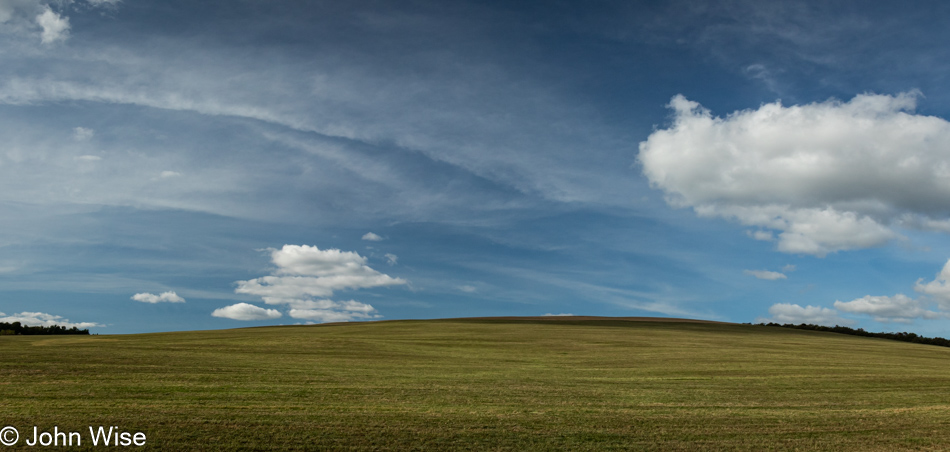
(903, 337)
(7, 329)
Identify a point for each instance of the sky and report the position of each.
(177, 165)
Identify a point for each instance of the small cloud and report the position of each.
(82, 133)
(246, 311)
(44, 319)
(55, 27)
(164, 297)
(26, 15)
(6, 12)
(391, 258)
(558, 315)
(468, 289)
(765, 274)
(326, 315)
(351, 305)
(89, 158)
(939, 288)
(788, 268)
(765, 236)
(169, 174)
(333, 311)
(793, 313)
(372, 237)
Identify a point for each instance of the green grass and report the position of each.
(486, 385)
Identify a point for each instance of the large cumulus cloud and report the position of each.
(826, 176)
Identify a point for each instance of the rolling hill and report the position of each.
(568, 383)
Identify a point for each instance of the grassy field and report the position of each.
(485, 384)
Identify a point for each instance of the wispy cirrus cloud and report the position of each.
(350, 100)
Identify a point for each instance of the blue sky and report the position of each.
(195, 165)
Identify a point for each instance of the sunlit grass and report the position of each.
(483, 384)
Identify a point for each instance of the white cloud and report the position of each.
(468, 289)
(351, 305)
(333, 311)
(765, 236)
(24, 16)
(304, 260)
(793, 313)
(765, 274)
(324, 315)
(169, 174)
(371, 237)
(788, 268)
(89, 158)
(899, 308)
(939, 288)
(6, 12)
(287, 289)
(827, 176)
(164, 297)
(43, 319)
(558, 315)
(10, 8)
(391, 259)
(82, 133)
(245, 311)
(304, 272)
(55, 27)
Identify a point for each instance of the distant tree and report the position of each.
(903, 337)
(16, 328)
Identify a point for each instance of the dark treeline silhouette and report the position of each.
(17, 328)
(903, 337)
